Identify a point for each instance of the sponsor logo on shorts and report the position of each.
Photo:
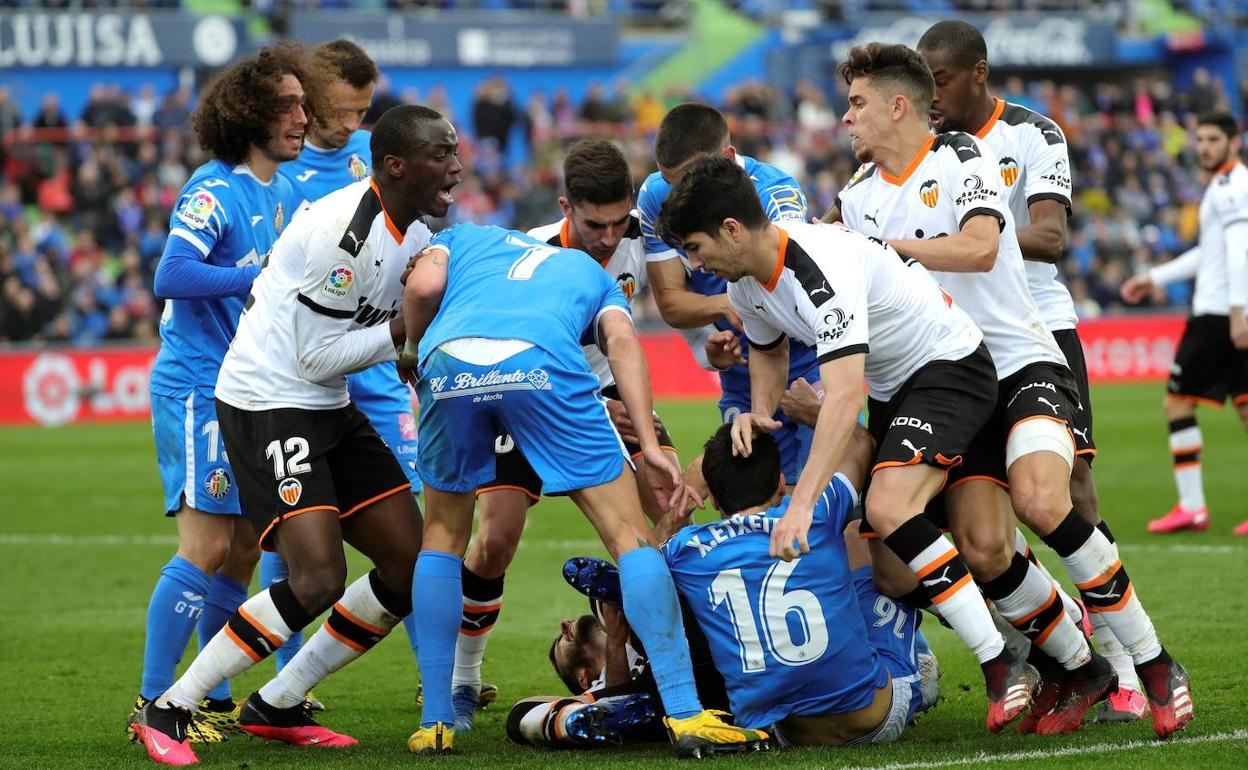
(290, 490)
(911, 422)
(338, 280)
(1046, 385)
(217, 483)
(929, 193)
(492, 382)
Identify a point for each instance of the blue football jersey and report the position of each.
(316, 172)
(788, 637)
(232, 219)
(503, 284)
(783, 200)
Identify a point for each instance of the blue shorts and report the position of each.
(387, 403)
(793, 439)
(552, 411)
(191, 455)
(892, 628)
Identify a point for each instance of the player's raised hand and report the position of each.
(662, 464)
(745, 427)
(1136, 288)
(723, 350)
(788, 539)
(407, 366)
(800, 403)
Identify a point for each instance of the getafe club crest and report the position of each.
(357, 167)
(279, 218)
(217, 483)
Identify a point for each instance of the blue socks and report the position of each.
(225, 594)
(176, 605)
(273, 569)
(409, 625)
(437, 594)
(653, 611)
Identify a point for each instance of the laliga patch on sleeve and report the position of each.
(338, 280)
(196, 209)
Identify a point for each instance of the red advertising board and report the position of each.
(55, 387)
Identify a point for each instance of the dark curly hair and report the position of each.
(240, 104)
(893, 68)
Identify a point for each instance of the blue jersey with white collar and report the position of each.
(227, 218)
(788, 637)
(783, 200)
(316, 172)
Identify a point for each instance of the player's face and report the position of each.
(718, 255)
(599, 228)
(434, 169)
(286, 133)
(344, 112)
(868, 118)
(955, 87)
(1213, 147)
(580, 645)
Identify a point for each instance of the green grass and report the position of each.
(72, 614)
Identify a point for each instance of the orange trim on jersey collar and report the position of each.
(565, 233)
(1226, 167)
(914, 163)
(394, 231)
(775, 274)
(992, 121)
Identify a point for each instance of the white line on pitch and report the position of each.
(985, 757)
(1181, 548)
(85, 540)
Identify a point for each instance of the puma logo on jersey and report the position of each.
(944, 578)
(871, 218)
(356, 244)
(1047, 403)
(917, 450)
(306, 175)
(1083, 434)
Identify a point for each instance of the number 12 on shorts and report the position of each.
(775, 605)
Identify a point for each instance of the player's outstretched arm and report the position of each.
(855, 465)
(1181, 268)
(680, 307)
(422, 296)
(1044, 239)
(973, 249)
(843, 379)
(183, 274)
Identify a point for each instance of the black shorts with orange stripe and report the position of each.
(1207, 367)
(512, 470)
(1039, 391)
(1081, 416)
(291, 461)
(935, 414)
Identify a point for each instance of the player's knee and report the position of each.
(317, 588)
(206, 550)
(1083, 492)
(243, 555)
(986, 556)
(1038, 503)
(492, 554)
(894, 583)
(1177, 409)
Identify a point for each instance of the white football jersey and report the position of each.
(843, 293)
(321, 307)
(951, 179)
(1035, 165)
(627, 266)
(1223, 216)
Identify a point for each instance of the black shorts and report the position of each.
(935, 414)
(291, 461)
(1081, 420)
(1041, 390)
(512, 470)
(1207, 367)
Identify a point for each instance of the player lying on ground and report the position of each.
(597, 219)
(838, 695)
(495, 322)
(313, 473)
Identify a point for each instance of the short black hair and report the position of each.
(1223, 121)
(961, 41)
(346, 61)
(712, 189)
(596, 172)
(398, 131)
(688, 130)
(891, 67)
(740, 483)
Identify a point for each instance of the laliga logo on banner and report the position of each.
(54, 391)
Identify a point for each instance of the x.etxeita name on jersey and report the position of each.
(731, 527)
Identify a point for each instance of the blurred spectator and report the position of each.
(493, 113)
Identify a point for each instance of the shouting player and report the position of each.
(335, 154)
(938, 200)
(313, 472)
(691, 299)
(873, 319)
(501, 318)
(250, 119)
(597, 219)
(1035, 171)
(1212, 360)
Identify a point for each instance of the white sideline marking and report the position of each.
(985, 757)
(86, 540)
(1180, 548)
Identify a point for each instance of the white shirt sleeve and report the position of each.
(1181, 268)
(840, 323)
(972, 178)
(761, 333)
(1048, 166)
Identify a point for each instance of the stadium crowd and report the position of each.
(85, 199)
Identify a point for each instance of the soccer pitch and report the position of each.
(82, 540)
